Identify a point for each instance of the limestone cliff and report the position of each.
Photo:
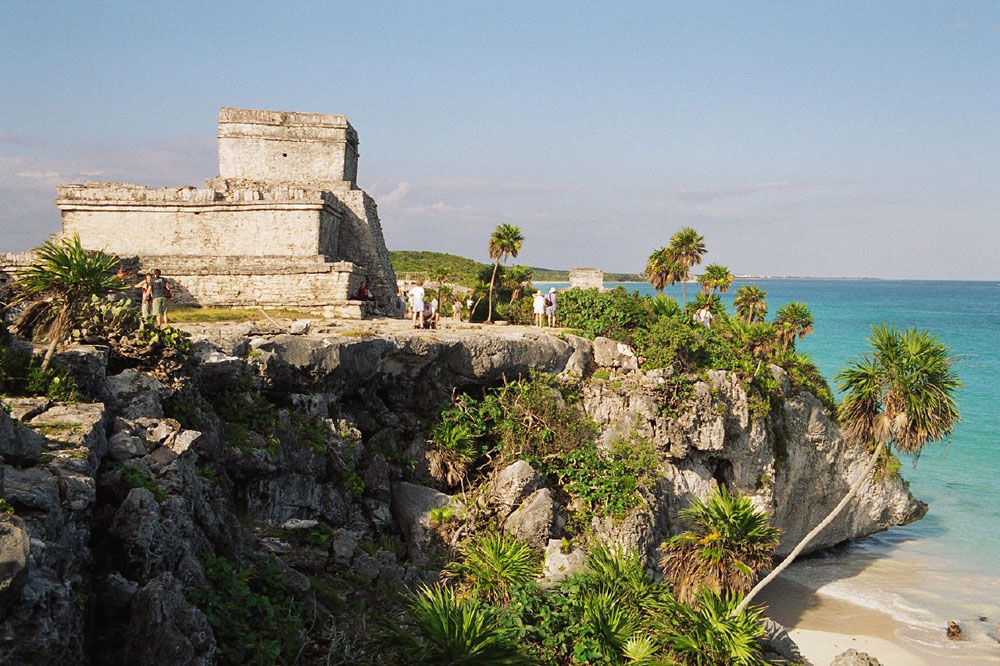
(119, 503)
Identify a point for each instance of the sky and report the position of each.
(854, 139)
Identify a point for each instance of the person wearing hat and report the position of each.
(539, 306)
(550, 306)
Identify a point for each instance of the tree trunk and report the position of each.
(489, 316)
(56, 332)
(814, 533)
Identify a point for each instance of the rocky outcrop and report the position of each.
(854, 658)
(118, 504)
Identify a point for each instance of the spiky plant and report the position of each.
(640, 650)
(59, 285)
(453, 631)
(492, 566)
(611, 622)
(710, 633)
(901, 395)
(505, 241)
(621, 571)
(662, 305)
(729, 543)
(750, 303)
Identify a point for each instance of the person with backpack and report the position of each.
(160, 293)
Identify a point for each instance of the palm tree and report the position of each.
(686, 248)
(505, 241)
(900, 395)
(520, 278)
(793, 320)
(716, 276)
(750, 303)
(60, 284)
(730, 542)
(662, 270)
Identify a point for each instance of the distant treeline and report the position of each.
(465, 271)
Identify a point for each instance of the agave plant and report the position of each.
(454, 631)
(493, 566)
(730, 542)
(58, 287)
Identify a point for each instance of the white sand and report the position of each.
(820, 648)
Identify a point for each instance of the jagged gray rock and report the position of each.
(87, 364)
(134, 394)
(559, 565)
(854, 658)
(165, 630)
(512, 484)
(610, 353)
(411, 507)
(15, 548)
(535, 520)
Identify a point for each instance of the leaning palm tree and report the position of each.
(715, 277)
(793, 320)
(686, 247)
(505, 242)
(730, 542)
(900, 395)
(59, 286)
(750, 303)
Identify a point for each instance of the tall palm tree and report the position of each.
(520, 278)
(686, 247)
(793, 320)
(505, 242)
(730, 542)
(60, 284)
(900, 395)
(716, 276)
(751, 303)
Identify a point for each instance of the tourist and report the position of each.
(417, 303)
(145, 286)
(550, 306)
(159, 292)
(366, 297)
(539, 305)
(456, 310)
(468, 308)
(401, 304)
(432, 315)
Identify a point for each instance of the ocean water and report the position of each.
(947, 565)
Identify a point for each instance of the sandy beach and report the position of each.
(824, 627)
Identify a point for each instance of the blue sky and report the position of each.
(834, 139)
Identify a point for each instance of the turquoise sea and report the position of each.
(947, 565)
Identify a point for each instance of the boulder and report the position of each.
(34, 489)
(164, 630)
(610, 353)
(18, 444)
(535, 520)
(300, 326)
(87, 364)
(558, 564)
(15, 550)
(411, 507)
(854, 658)
(135, 394)
(125, 446)
(25, 409)
(512, 484)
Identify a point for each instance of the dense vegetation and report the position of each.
(466, 272)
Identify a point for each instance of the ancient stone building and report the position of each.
(284, 223)
(586, 278)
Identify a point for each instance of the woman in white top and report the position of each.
(417, 304)
(539, 303)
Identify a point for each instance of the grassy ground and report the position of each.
(194, 315)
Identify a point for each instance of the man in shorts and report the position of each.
(160, 293)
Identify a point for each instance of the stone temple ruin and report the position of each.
(283, 225)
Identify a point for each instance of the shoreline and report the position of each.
(824, 627)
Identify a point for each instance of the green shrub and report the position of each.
(616, 314)
(493, 566)
(5, 508)
(255, 617)
(137, 477)
(167, 337)
(22, 374)
(670, 342)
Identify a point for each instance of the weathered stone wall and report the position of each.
(586, 278)
(361, 242)
(280, 145)
(258, 281)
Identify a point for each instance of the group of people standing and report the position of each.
(545, 306)
(157, 292)
(704, 316)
